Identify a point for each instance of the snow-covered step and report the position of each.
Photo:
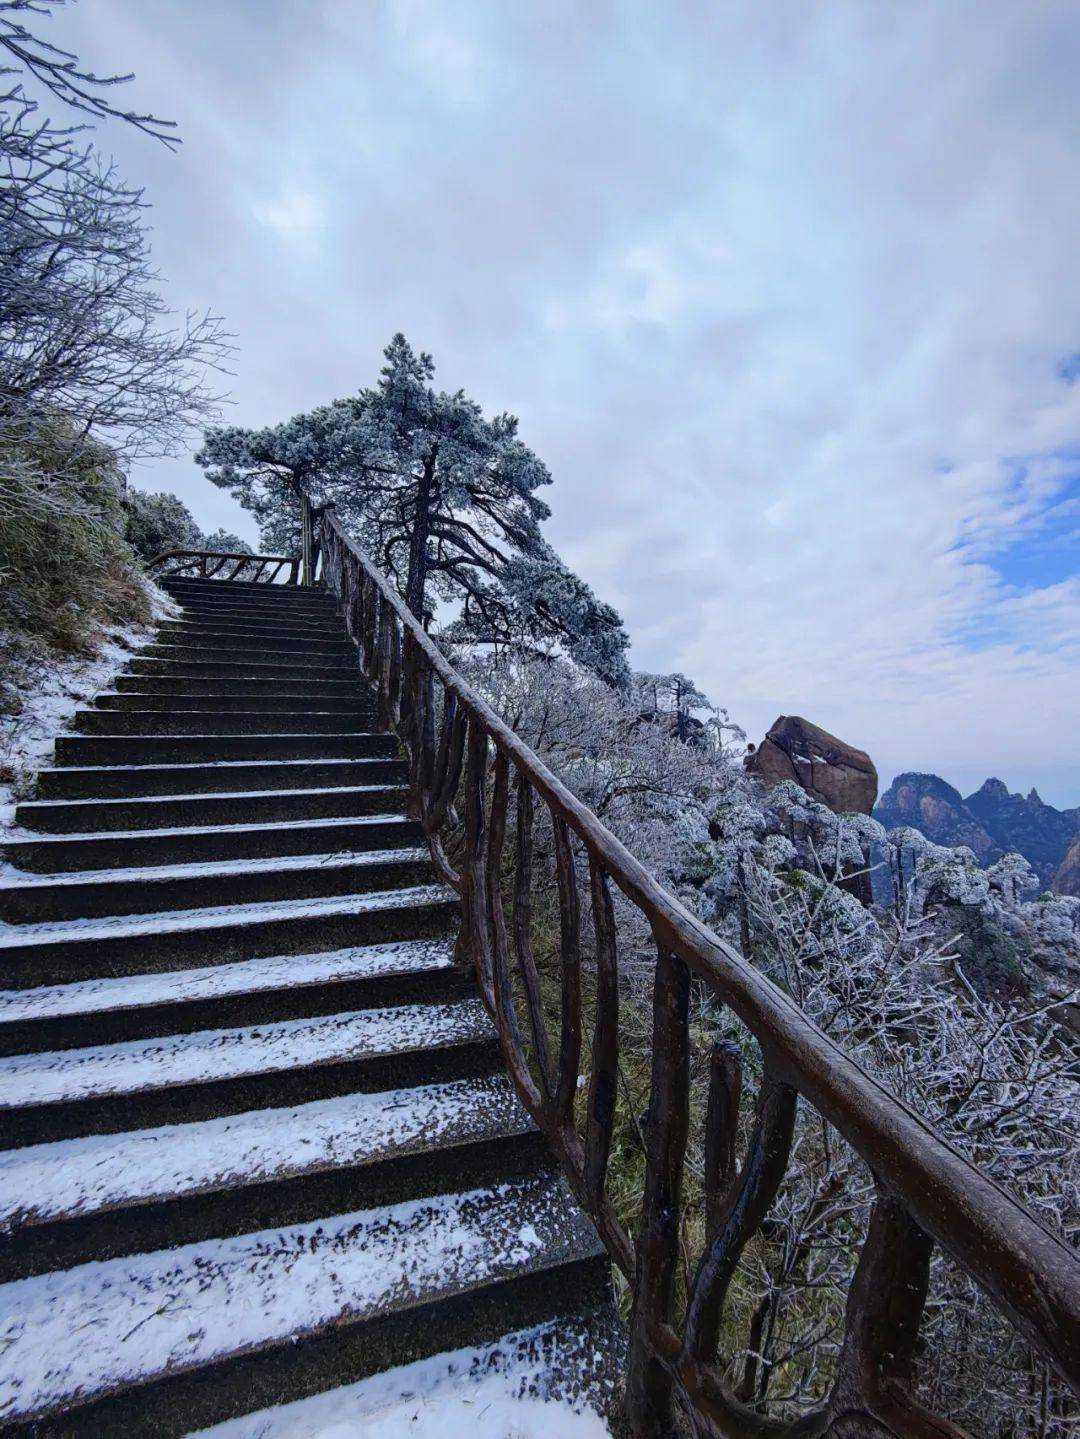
(99, 1196)
(239, 669)
(77, 1335)
(299, 718)
(307, 656)
(31, 899)
(75, 749)
(558, 1380)
(358, 703)
(229, 775)
(335, 790)
(290, 986)
(110, 849)
(107, 1088)
(178, 685)
(60, 953)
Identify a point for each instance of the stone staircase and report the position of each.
(257, 1139)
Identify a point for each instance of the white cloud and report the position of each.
(779, 292)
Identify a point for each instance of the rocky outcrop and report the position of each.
(928, 804)
(1038, 831)
(837, 774)
(1067, 877)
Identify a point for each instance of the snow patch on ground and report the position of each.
(26, 739)
(508, 1390)
(219, 1054)
(78, 1331)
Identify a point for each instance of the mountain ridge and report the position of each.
(991, 821)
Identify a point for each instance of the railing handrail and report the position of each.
(1023, 1264)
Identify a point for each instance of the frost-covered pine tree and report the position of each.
(444, 498)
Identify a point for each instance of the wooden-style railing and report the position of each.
(219, 565)
(467, 773)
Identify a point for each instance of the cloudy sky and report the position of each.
(786, 295)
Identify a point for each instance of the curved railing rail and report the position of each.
(461, 756)
(221, 565)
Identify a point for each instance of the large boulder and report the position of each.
(1067, 878)
(835, 773)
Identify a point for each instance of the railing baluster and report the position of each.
(530, 979)
(570, 954)
(473, 891)
(447, 773)
(648, 1379)
(884, 1311)
(600, 1112)
(721, 1129)
(747, 1204)
(505, 1014)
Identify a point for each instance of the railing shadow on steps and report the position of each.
(461, 756)
(221, 565)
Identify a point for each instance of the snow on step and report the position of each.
(539, 1383)
(169, 921)
(221, 1054)
(204, 869)
(249, 976)
(80, 1176)
(76, 1332)
(15, 833)
(230, 764)
(238, 794)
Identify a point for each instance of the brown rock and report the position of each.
(835, 773)
(1067, 878)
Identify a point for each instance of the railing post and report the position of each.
(307, 539)
(649, 1397)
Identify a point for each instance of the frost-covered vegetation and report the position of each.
(94, 370)
(958, 994)
(444, 499)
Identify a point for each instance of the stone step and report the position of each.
(318, 630)
(254, 991)
(148, 780)
(43, 899)
(51, 1095)
(72, 950)
(358, 703)
(256, 642)
(100, 1196)
(244, 686)
(253, 669)
(157, 1342)
(140, 750)
(204, 720)
(304, 656)
(290, 793)
(242, 590)
(562, 1377)
(191, 584)
(180, 845)
(257, 606)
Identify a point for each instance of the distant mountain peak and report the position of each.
(993, 789)
(991, 822)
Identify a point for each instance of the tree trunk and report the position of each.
(418, 543)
